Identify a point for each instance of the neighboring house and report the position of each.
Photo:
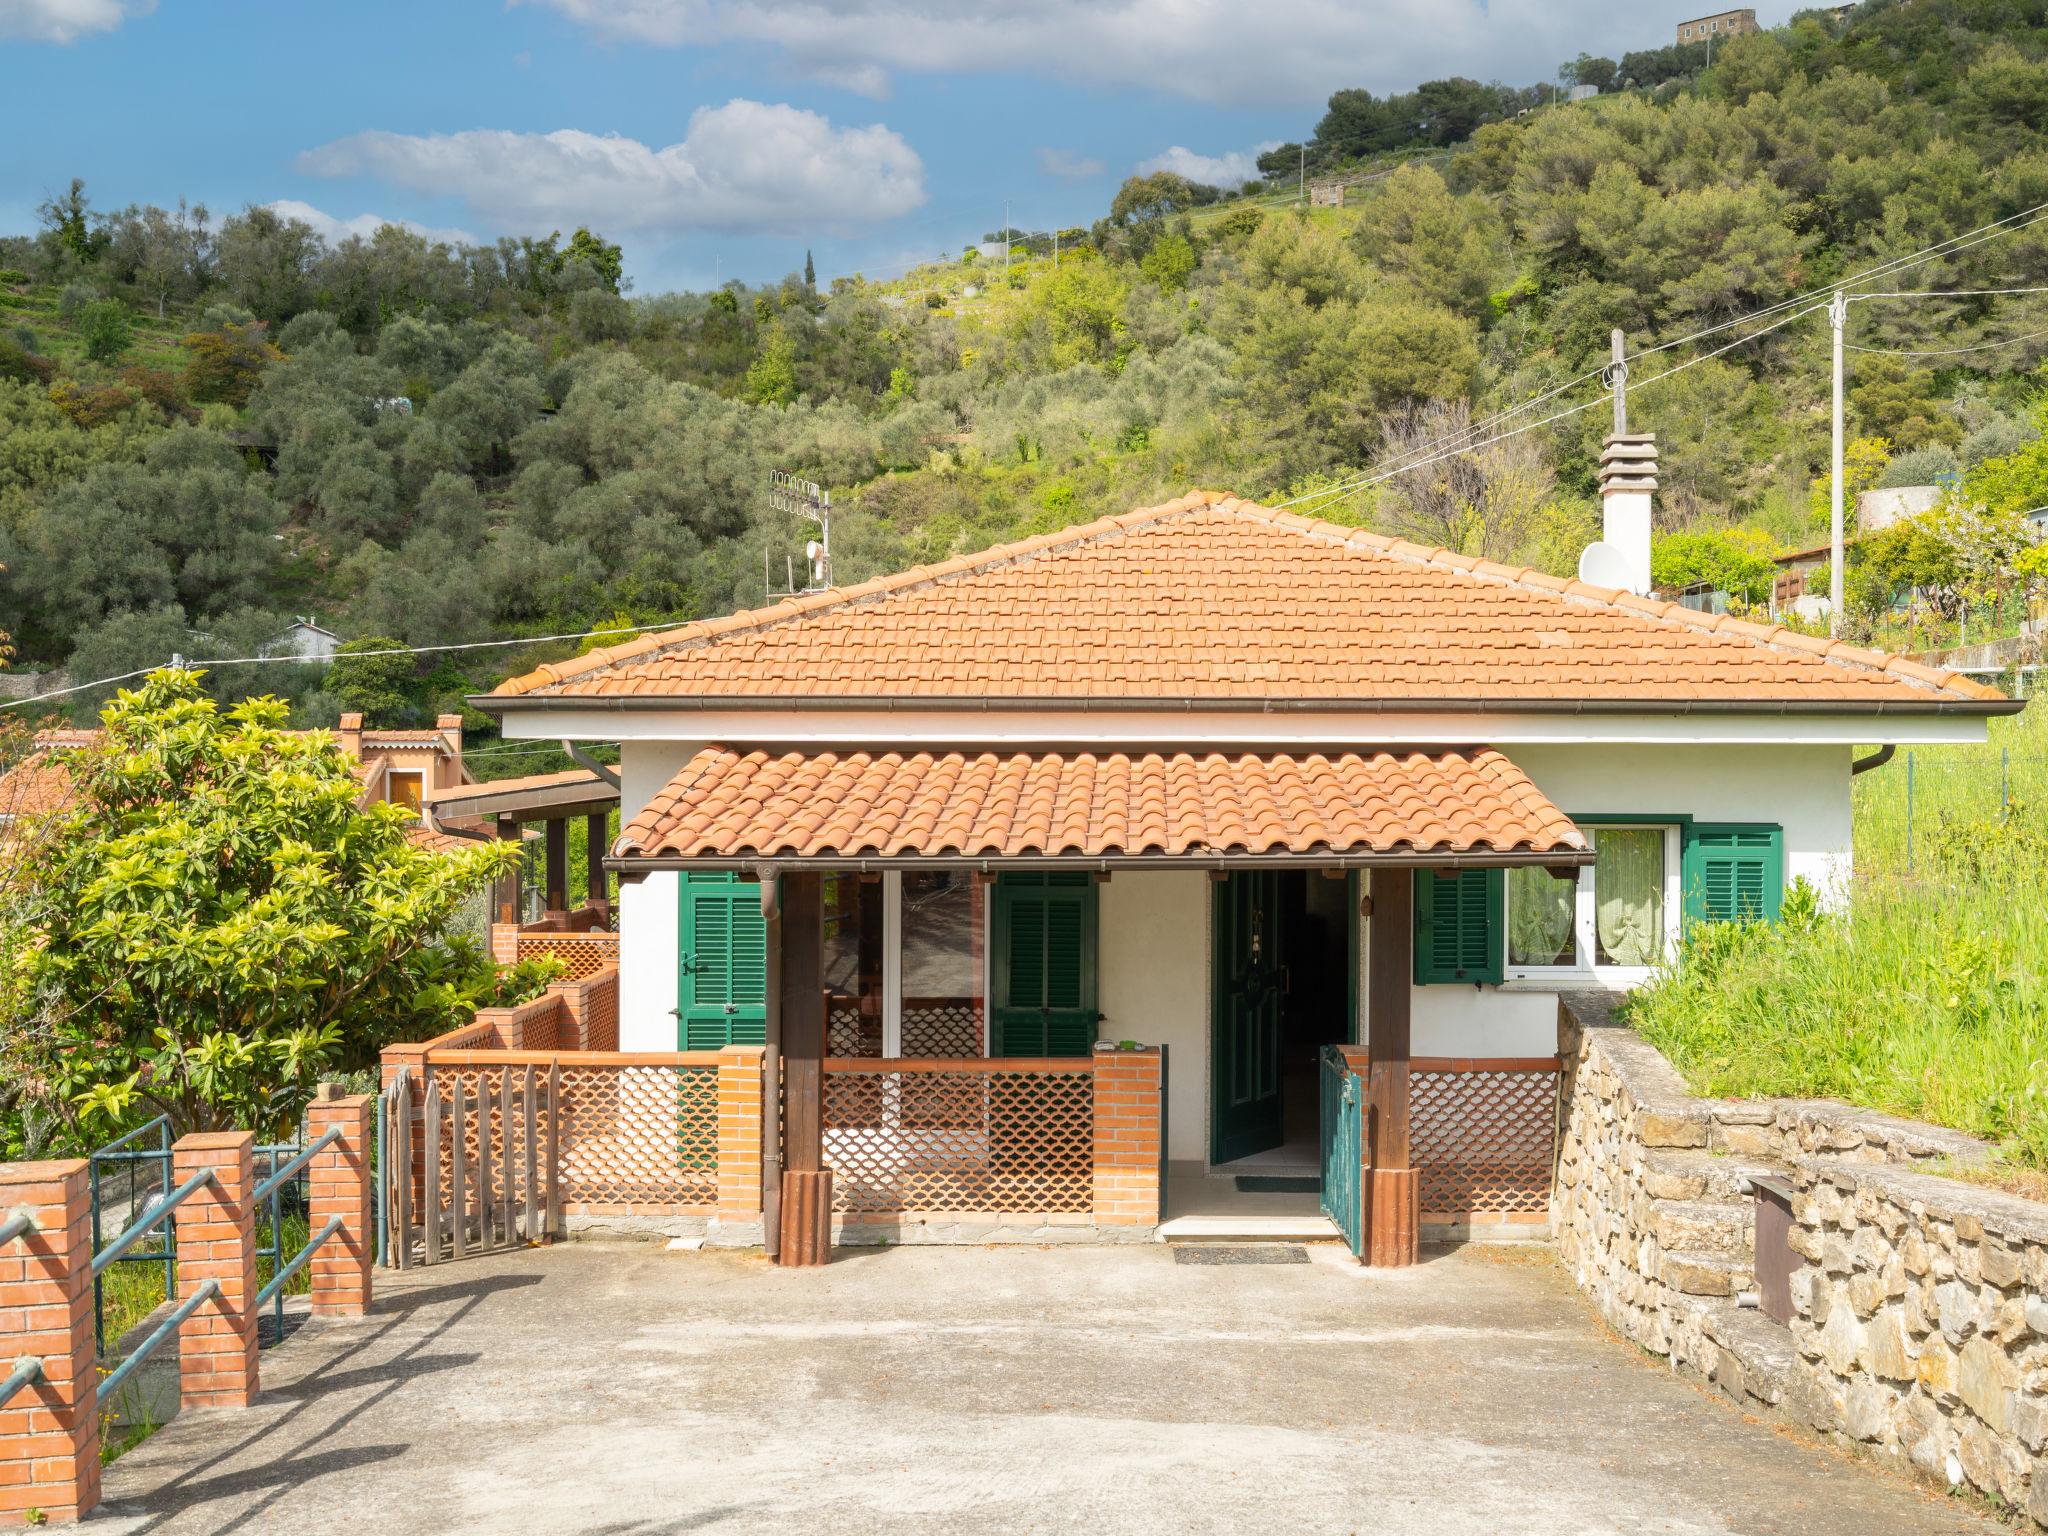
(305, 641)
(404, 767)
(1217, 778)
(1702, 29)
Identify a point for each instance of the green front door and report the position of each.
(722, 965)
(1244, 1040)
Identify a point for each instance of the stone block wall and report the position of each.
(1920, 1326)
(1920, 1315)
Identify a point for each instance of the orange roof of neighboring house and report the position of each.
(1212, 597)
(729, 805)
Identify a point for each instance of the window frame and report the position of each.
(1585, 912)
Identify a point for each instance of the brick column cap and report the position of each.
(214, 1141)
(50, 1171)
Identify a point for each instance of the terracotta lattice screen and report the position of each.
(932, 1136)
(585, 954)
(1483, 1134)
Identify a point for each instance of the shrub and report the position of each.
(106, 328)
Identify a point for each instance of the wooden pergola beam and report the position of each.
(806, 1214)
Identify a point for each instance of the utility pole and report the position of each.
(1617, 375)
(1838, 316)
(1006, 237)
(1301, 180)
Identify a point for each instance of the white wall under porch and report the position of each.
(1152, 985)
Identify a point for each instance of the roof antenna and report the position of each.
(806, 499)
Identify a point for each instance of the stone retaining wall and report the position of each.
(1920, 1329)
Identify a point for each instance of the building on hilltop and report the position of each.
(1723, 24)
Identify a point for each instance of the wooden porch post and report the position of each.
(507, 893)
(596, 835)
(557, 828)
(1392, 1213)
(806, 1181)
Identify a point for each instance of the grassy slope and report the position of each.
(1930, 997)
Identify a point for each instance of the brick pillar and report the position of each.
(739, 1133)
(50, 1431)
(1127, 1151)
(339, 1180)
(217, 1241)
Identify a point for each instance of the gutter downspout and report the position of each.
(583, 759)
(1877, 759)
(771, 1068)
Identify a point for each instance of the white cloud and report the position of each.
(1225, 52)
(746, 166)
(66, 21)
(1226, 171)
(334, 230)
(1067, 165)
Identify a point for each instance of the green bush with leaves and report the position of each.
(217, 924)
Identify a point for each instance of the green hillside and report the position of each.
(443, 444)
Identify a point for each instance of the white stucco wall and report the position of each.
(1152, 985)
(647, 962)
(647, 907)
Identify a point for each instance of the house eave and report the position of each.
(1561, 858)
(504, 704)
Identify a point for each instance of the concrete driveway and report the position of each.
(632, 1391)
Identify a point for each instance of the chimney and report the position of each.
(1628, 481)
(450, 727)
(349, 733)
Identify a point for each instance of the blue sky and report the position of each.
(717, 138)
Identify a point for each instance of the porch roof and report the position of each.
(729, 808)
(537, 796)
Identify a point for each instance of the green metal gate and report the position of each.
(1343, 1123)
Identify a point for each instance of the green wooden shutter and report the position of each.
(1458, 925)
(1733, 873)
(1043, 964)
(722, 964)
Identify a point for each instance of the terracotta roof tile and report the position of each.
(727, 804)
(1213, 597)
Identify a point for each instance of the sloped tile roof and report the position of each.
(1212, 597)
(729, 804)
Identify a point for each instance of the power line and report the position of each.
(1986, 346)
(1332, 494)
(394, 650)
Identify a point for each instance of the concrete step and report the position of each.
(1250, 1229)
(1673, 1173)
(1725, 1228)
(1706, 1274)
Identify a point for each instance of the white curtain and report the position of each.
(1628, 894)
(1540, 918)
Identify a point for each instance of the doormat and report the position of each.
(1240, 1253)
(1278, 1184)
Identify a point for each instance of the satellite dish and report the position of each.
(1604, 565)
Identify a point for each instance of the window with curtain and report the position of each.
(1611, 915)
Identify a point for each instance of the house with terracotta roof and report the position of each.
(1294, 832)
(404, 767)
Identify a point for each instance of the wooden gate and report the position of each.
(1343, 1124)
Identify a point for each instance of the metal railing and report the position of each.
(120, 1151)
(270, 1192)
(28, 1369)
(104, 1258)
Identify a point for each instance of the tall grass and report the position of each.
(1928, 995)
